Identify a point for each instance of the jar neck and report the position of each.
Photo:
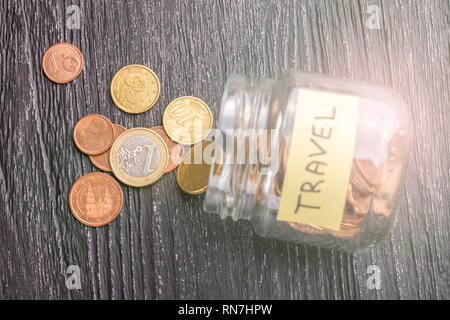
(249, 111)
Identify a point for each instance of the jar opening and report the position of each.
(247, 133)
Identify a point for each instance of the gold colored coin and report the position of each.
(139, 157)
(135, 88)
(193, 172)
(187, 120)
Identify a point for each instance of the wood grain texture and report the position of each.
(163, 245)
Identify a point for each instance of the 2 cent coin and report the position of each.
(101, 161)
(93, 134)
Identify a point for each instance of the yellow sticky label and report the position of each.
(320, 159)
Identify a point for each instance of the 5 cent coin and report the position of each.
(95, 199)
(101, 161)
(176, 150)
(62, 62)
(93, 134)
(187, 120)
(135, 88)
(139, 157)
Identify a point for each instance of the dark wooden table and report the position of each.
(163, 245)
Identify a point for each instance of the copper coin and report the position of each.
(307, 228)
(389, 176)
(360, 202)
(95, 199)
(364, 175)
(62, 62)
(93, 134)
(350, 225)
(101, 161)
(176, 150)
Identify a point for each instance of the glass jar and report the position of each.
(285, 123)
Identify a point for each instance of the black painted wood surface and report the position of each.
(163, 245)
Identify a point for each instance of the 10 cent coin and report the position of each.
(187, 120)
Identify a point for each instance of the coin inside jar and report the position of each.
(187, 120)
(101, 161)
(95, 199)
(360, 202)
(93, 134)
(62, 62)
(176, 150)
(139, 157)
(135, 88)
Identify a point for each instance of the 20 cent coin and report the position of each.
(135, 88)
(193, 171)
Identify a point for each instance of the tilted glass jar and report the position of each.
(254, 190)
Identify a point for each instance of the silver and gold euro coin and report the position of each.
(139, 157)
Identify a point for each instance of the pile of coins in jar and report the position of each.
(137, 157)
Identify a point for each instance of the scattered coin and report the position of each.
(62, 62)
(101, 161)
(95, 199)
(187, 120)
(176, 150)
(135, 88)
(193, 173)
(139, 157)
(93, 134)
